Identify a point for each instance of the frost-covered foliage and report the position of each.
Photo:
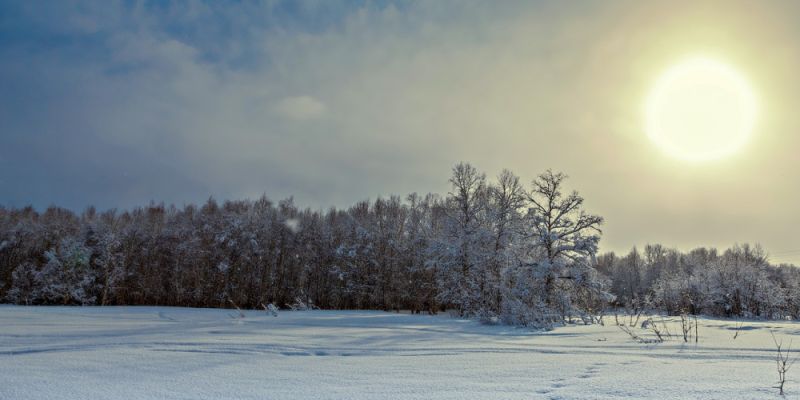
(66, 277)
(373, 255)
(518, 256)
(737, 282)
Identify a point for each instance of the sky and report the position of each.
(117, 104)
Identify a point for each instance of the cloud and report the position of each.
(301, 108)
(334, 102)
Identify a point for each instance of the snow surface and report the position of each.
(177, 353)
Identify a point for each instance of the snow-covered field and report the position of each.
(175, 353)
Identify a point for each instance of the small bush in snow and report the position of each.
(271, 309)
(300, 305)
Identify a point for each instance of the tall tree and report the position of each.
(566, 237)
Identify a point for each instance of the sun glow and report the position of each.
(700, 110)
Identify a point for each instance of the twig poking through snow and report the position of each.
(241, 314)
(738, 329)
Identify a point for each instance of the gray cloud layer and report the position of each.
(117, 104)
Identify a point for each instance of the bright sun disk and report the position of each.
(700, 110)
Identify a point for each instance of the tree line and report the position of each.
(495, 250)
(737, 282)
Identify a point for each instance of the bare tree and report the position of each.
(783, 361)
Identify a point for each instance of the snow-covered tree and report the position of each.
(463, 251)
(67, 276)
(566, 234)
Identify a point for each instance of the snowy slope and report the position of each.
(175, 353)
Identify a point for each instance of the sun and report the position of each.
(700, 110)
